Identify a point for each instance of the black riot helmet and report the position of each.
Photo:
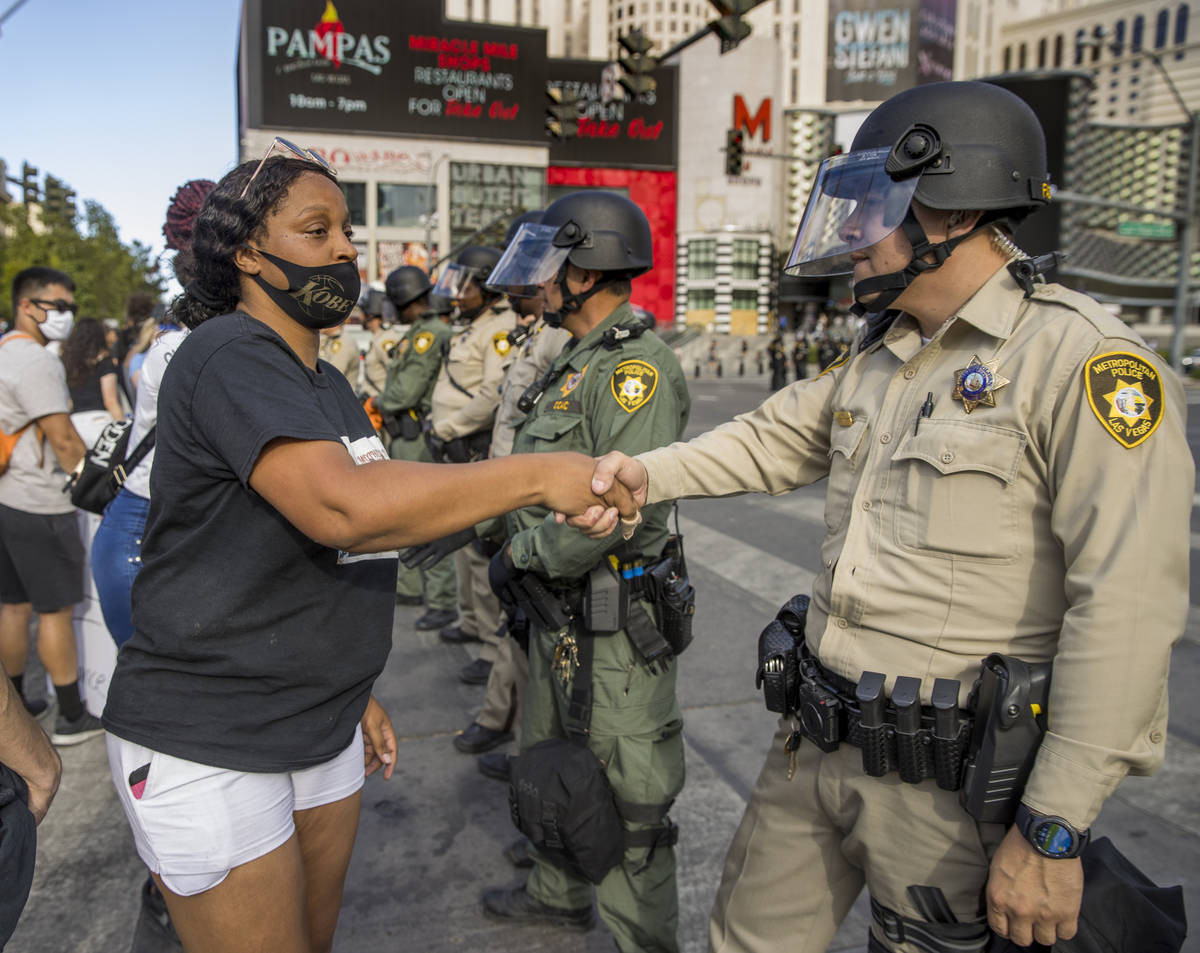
(593, 229)
(405, 285)
(950, 146)
(525, 218)
(473, 264)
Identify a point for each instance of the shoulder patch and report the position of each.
(633, 384)
(423, 341)
(572, 381)
(1126, 395)
(335, 345)
(501, 344)
(386, 345)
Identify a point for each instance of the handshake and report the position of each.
(621, 483)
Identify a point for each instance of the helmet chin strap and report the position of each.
(889, 287)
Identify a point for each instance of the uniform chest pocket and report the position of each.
(957, 493)
(553, 431)
(844, 444)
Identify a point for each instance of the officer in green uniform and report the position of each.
(405, 404)
(616, 387)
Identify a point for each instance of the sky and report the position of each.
(124, 100)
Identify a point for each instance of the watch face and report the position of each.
(1053, 838)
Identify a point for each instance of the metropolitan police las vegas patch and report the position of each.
(1126, 395)
(633, 384)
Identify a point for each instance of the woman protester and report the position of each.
(240, 715)
(91, 370)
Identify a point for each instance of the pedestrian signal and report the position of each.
(735, 152)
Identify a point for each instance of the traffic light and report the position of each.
(562, 115)
(637, 64)
(29, 184)
(735, 152)
(730, 28)
(54, 204)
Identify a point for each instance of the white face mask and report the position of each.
(57, 326)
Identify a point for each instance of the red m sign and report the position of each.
(743, 120)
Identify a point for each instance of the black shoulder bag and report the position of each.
(103, 470)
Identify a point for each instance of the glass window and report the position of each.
(745, 258)
(1118, 43)
(356, 201)
(702, 299)
(402, 205)
(1160, 29)
(1022, 56)
(745, 299)
(1139, 29)
(702, 258)
(1008, 58)
(1078, 51)
(1181, 29)
(1041, 53)
(1058, 51)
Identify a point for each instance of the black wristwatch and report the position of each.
(1051, 836)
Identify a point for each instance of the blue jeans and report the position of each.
(116, 559)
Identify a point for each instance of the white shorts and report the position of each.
(193, 823)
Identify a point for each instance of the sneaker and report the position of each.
(36, 706)
(68, 733)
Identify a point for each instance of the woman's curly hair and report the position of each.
(225, 223)
(82, 349)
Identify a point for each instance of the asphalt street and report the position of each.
(431, 839)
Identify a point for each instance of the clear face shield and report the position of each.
(452, 283)
(530, 260)
(854, 204)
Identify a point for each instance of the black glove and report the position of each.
(427, 555)
(501, 572)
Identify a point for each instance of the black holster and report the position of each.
(543, 608)
(666, 584)
(1010, 701)
(467, 449)
(410, 424)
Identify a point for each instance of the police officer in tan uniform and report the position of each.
(340, 350)
(383, 342)
(536, 346)
(462, 412)
(1008, 472)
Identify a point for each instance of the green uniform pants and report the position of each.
(636, 732)
(438, 585)
(806, 847)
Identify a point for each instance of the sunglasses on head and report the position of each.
(57, 305)
(283, 145)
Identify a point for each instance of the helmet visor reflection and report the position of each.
(452, 282)
(530, 260)
(853, 205)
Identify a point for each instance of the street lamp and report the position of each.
(1182, 217)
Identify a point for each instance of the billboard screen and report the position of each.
(614, 131)
(879, 47)
(393, 68)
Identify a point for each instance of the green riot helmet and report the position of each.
(949, 146)
(593, 229)
(405, 285)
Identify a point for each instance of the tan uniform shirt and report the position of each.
(534, 357)
(1050, 526)
(341, 351)
(476, 362)
(377, 359)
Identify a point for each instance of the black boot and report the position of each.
(516, 905)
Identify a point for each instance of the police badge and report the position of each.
(977, 383)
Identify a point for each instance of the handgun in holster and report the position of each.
(1010, 701)
(778, 672)
(542, 608)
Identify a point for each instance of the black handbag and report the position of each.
(102, 471)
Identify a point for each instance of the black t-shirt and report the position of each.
(255, 648)
(87, 394)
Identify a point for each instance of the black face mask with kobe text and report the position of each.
(315, 297)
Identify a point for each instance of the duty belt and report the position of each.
(896, 734)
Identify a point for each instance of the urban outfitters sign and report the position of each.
(879, 47)
(392, 68)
